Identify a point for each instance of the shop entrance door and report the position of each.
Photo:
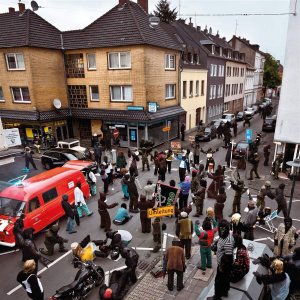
(61, 133)
(133, 137)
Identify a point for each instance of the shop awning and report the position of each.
(34, 115)
(127, 115)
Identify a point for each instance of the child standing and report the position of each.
(206, 237)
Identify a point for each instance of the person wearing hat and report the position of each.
(69, 213)
(175, 263)
(277, 164)
(239, 189)
(280, 199)
(30, 281)
(29, 158)
(103, 212)
(250, 220)
(199, 197)
(284, 239)
(264, 191)
(254, 161)
(184, 231)
(51, 239)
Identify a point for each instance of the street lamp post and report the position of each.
(294, 164)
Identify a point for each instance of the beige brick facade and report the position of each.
(43, 75)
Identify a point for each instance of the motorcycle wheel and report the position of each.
(77, 297)
(100, 279)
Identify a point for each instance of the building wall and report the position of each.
(241, 47)
(192, 102)
(43, 75)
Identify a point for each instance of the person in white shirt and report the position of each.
(80, 201)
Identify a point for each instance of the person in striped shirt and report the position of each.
(225, 246)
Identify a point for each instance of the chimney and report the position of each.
(21, 7)
(122, 3)
(205, 30)
(198, 28)
(210, 30)
(217, 35)
(143, 4)
(11, 10)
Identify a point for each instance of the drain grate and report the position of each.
(143, 265)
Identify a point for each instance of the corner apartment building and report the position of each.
(32, 75)
(123, 72)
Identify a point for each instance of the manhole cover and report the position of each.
(143, 265)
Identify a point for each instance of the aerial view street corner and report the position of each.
(149, 149)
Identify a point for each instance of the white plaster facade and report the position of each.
(234, 86)
(288, 121)
(249, 98)
(258, 76)
(193, 96)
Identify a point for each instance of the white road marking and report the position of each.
(297, 220)
(19, 178)
(42, 271)
(7, 160)
(12, 251)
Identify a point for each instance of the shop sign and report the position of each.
(112, 127)
(12, 137)
(59, 123)
(120, 126)
(161, 211)
(165, 129)
(176, 146)
(132, 135)
(135, 107)
(153, 107)
(249, 135)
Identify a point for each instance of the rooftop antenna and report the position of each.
(236, 25)
(34, 6)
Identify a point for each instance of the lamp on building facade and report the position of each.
(295, 164)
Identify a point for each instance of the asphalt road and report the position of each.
(62, 272)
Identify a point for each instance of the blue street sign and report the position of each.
(135, 107)
(249, 135)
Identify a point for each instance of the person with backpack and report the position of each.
(206, 237)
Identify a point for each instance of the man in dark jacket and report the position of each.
(29, 158)
(69, 213)
(254, 161)
(18, 231)
(51, 239)
(267, 149)
(280, 199)
(182, 131)
(131, 260)
(143, 205)
(103, 212)
(239, 189)
(133, 193)
(29, 249)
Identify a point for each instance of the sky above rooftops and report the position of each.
(267, 31)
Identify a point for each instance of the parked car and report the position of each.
(255, 106)
(209, 133)
(57, 157)
(228, 117)
(39, 199)
(242, 147)
(269, 123)
(249, 111)
(71, 144)
(216, 122)
(240, 116)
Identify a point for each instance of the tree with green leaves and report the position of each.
(164, 12)
(272, 77)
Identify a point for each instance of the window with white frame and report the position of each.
(197, 87)
(221, 90)
(214, 91)
(170, 62)
(20, 94)
(94, 93)
(215, 70)
(211, 91)
(211, 70)
(170, 91)
(184, 87)
(191, 88)
(1, 95)
(15, 61)
(202, 87)
(119, 60)
(220, 70)
(226, 105)
(91, 61)
(213, 49)
(221, 51)
(121, 93)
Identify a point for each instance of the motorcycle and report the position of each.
(87, 278)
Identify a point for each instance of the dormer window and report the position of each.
(229, 53)
(190, 57)
(221, 51)
(196, 59)
(213, 49)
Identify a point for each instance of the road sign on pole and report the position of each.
(161, 211)
(249, 135)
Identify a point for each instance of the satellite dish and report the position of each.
(34, 6)
(57, 103)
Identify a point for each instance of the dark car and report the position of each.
(207, 134)
(269, 123)
(241, 148)
(57, 157)
(240, 116)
